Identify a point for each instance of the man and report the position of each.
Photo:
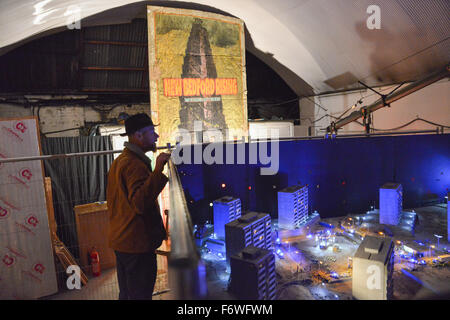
(135, 225)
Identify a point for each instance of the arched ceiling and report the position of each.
(325, 43)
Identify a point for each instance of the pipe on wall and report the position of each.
(380, 103)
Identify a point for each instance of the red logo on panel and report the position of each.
(20, 126)
(39, 268)
(4, 212)
(32, 221)
(26, 173)
(23, 177)
(8, 260)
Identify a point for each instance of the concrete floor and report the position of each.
(105, 287)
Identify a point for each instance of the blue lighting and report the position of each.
(425, 155)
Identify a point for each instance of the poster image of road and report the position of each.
(197, 73)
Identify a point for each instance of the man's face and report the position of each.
(148, 138)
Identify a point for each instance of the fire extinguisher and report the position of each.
(95, 263)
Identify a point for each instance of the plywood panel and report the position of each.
(50, 210)
(92, 229)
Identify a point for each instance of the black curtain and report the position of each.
(75, 180)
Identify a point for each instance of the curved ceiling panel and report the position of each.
(324, 42)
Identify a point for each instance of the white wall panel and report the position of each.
(27, 268)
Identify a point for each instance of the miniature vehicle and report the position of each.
(280, 253)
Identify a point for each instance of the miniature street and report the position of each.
(317, 264)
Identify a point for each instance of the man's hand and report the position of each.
(161, 161)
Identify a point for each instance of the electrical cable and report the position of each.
(351, 107)
(274, 104)
(316, 104)
(312, 122)
(360, 101)
(44, 133)
(403, 126)
(409, 123)
(391, 65)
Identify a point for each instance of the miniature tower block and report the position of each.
(292, 207)
(252, 229)
(253, 274)
(226, 209)
(391, 197)
(373, 267)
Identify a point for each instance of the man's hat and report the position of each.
(137, 122)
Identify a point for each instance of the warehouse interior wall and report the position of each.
(71, 120)
(431, 103)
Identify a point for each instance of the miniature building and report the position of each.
(252, 229)
(253, 274)
(373, 266)
(226, 209)
(391, 197)
(292, 207)
(416, 250)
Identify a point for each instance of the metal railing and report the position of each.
(187, 274)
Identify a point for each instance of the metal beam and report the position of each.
(68, 155)
(114, 68)
(411, 88)
(117, 43)
(114, 90)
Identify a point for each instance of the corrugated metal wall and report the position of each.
(94, 59)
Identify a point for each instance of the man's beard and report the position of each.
(153, 147)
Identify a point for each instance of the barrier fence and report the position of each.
(75, 191)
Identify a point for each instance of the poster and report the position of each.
(197, 73)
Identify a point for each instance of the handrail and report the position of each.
(187, 275)
(106, 152)
(65, 155)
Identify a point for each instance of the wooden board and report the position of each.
(65, 258)
(92, 229)
(50, 210)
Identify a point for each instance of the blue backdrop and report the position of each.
(343, 175)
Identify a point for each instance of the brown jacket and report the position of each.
(135, 224)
